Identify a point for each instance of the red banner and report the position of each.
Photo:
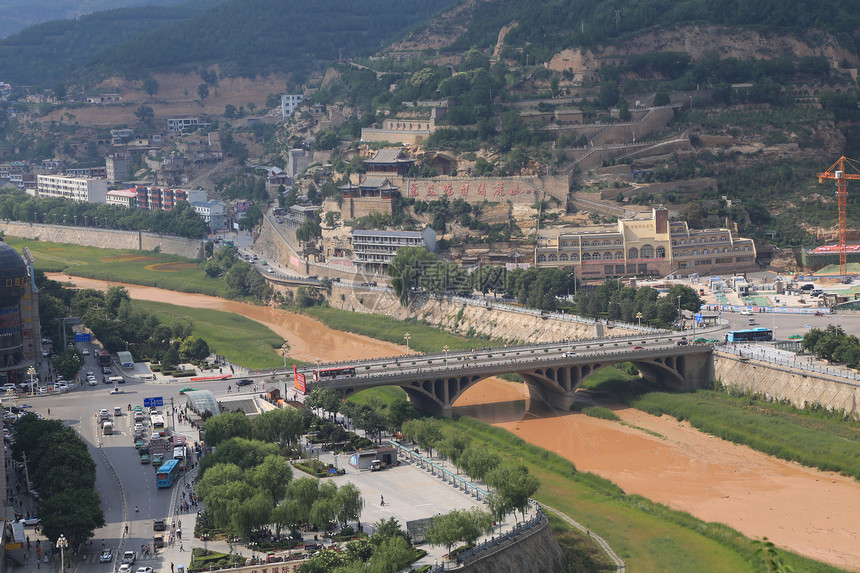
(299, 380)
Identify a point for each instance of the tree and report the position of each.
(225, 426)
(273, 476)
(514, 485)
(150, 86)
(623, 109)
(465, 525)
(68, 363)
(453, 446)
(350, 503)
(230, 111)
(661, 99)
(609, 94)
(327, 399)
(75, 513)
(478, 462)
(203, 91)
(426, 433)
(145, 113)
(406, 269)
(282, 426)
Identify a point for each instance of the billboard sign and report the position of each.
(299, 380)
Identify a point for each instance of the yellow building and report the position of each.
(645, 246)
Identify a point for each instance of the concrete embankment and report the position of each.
(472, 320)
(534, 552)
(783, 383)
(104, 238)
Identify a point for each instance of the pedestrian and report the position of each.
(181, 548)
(49, 411)
(171, 567)
(381, 501)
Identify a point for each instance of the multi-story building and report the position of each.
(154, 198)
(82, 189)
(214, 213)
(289, 103)
(98, 171)
(117, 167)
(646, 246)
(374, 250)
(122, 198)
(181, 124)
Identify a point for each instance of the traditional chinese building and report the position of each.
(389, 161)
(375, 193)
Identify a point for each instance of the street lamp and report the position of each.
(284, 348)
(446, 349)
(680, 318)
(406, 337)
(62, 543)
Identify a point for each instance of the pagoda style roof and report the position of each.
(389, 156)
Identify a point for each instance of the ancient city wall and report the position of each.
(104, 238)
(780, 383)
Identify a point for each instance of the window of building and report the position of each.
(553, 258)
(647, 252)
(541, 258)
(661, 252)
(574, 257)
(633, 253)
(618, 242)
(595, 256)
(586, 244)
(607, 242)
(562, 257)
(695, 253)
(607, 256)
(586, 257)
(619, 255)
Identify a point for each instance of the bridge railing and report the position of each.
(766, 354)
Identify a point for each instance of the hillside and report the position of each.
(15, 15)
(45, 54)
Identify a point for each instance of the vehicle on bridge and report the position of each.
(167, 474)
(750, 335)
(334, 373)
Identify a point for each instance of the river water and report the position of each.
(807, 511)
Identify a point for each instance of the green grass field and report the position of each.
(135, 267)
(776, 430)
(239, 339)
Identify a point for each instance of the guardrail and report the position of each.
(763, 354)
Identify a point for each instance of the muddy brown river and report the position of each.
(813, 513)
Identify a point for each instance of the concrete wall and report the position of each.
(470, 319)
(534, 552)
(525, 189)
(104, 238)
(781, 383)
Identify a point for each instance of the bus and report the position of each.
(335, 373)
(157, 421)
(750, 335)
(167, 474)
(103, 357)
(179, 456)
(177, 441)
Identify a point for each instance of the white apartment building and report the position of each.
(81, 189)
(213, 212)
(374, 250)
(289, 103)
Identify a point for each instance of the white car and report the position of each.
(270, 270)
(128, 559)
(85, 351)
(125, 568)
(144, 570)
(91, 380)
(106, 556)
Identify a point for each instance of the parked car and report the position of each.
(807, 287)
(31, 521)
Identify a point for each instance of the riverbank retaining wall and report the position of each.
(783, 383)
(104, 238)
(472, 320)
(534, 552)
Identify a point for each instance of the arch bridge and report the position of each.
(552, 372)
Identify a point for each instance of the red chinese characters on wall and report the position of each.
(449, 190)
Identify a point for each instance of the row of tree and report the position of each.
(282, 426)
(64, 473)
(615, 301)
(181, 221)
